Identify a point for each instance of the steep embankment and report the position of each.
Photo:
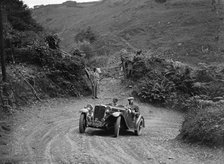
(188, 31)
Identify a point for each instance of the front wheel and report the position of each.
(117, 127)
(138, 131)
(82, 123)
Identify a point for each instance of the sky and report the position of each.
(32, 3)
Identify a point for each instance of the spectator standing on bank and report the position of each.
(95, 83)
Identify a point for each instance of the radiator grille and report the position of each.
(99, 112)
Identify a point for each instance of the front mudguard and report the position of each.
(84, 110)
(138, 121)
(116, 114)
(110, 121)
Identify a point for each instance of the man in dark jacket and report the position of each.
(133, 109)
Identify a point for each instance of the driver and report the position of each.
(134, 109)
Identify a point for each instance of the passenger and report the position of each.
(115, 100)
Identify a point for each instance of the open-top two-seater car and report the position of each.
(108, 116)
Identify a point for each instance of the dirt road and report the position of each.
(48, 133)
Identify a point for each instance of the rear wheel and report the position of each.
(117, 127)
(82, 123)
(138, 131)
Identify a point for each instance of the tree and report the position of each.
(2, 44)
(86, 35)
(19, 16)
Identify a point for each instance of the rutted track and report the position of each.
(51, 136)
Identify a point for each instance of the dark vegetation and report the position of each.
(36, 66)
(19, 16)
(86, 35)
(205, 124)
(198, 91)
(172, 83)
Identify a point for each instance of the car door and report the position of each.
(128, 118)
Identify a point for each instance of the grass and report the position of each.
(177, 29)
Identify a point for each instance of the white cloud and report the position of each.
(32, 3)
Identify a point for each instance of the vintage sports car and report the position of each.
(107, 117)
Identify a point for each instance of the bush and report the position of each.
(63, 74)
(86, 35)
(172, 83)
(161, 81)
(155, 89)
(52, 41)
(204, 125)
(86, 48)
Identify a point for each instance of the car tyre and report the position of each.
(82, 123)
(138, 131)
(117, 126)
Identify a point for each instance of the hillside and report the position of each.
(185, 30)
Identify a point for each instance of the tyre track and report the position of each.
(54, 138)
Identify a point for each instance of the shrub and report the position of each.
(155, 88)
(86, 48)
(86, 35)
(161, 81)
(205, 125)
(173, 83)
(52, 41)
(63, 73)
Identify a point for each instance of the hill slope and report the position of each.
(185, 30)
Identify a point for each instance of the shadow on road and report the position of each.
(107, 133)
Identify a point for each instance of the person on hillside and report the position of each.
(95, 83)
(133, 109)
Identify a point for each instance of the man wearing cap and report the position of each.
(134, 109)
